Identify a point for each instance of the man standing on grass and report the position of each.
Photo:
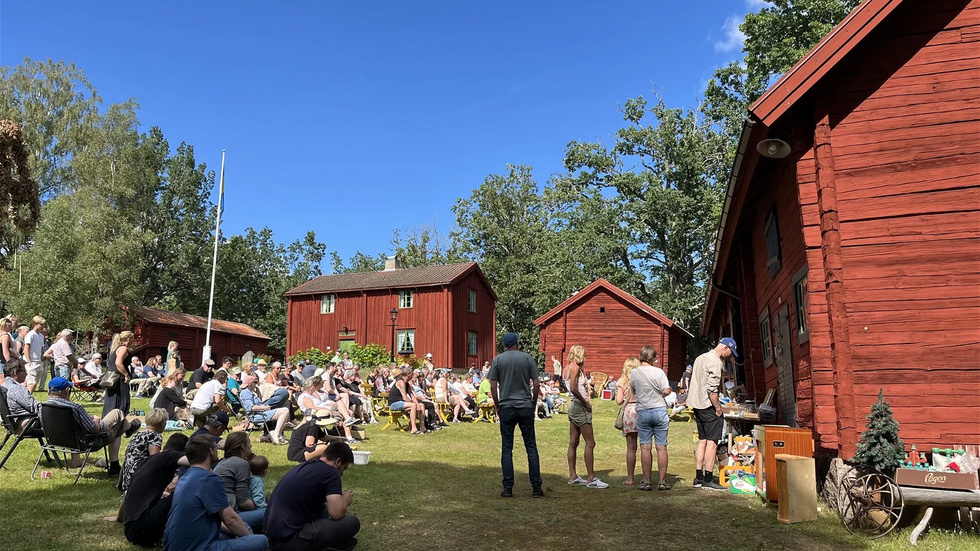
(34, 355)
(703, 399)
(511, 377)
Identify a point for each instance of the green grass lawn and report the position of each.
(441, 492)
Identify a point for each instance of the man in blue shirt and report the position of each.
(200, 506)
(308, 509)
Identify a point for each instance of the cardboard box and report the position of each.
(930, 479)
(797, 488)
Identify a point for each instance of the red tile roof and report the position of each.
(408, 277)
(166, 317)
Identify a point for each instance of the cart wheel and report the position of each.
(871, 505)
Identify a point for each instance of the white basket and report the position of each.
(361, 458)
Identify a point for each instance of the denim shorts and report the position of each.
(651, 424)
(397, 406)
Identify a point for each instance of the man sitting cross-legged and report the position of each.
(308, 508)
(113, 425)
(200, 508)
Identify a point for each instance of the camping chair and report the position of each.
(86, 392)
(394, 417)
(64, 436)
(12, 425)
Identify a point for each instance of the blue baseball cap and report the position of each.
(730, 343)
(58, 384)
(510, 339)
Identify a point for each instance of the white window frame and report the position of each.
(405, 342)
(406, 299)
(801, 300)
(471, 300)
(472, 343)
(765, 338)
(328, 303)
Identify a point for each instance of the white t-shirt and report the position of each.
(204, 398)
(36, 342)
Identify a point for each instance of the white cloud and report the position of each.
(733, 37)
(754, 5)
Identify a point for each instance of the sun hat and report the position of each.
(323, 418)
(249, 379)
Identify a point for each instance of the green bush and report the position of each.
(370, 356)
(314, 355)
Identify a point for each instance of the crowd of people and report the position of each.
(183, 495)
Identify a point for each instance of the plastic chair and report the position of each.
(65, 436)
(12, 424)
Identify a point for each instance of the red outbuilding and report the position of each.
(612, 325)
(447, 311)
(848, 255)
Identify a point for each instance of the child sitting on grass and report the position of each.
(259, 465)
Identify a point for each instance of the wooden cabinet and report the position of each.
(797, 482)
(777, 439)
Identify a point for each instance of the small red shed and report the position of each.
(447, 310)
(848, 254)
(612, 325)
(153, 329)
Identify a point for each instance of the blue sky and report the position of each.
(353, 119)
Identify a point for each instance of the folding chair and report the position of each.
(64, 436)
(85, 393)
(394, 417)
(12, 423)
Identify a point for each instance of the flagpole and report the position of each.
(206, 353)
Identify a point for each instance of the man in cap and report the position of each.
(199, 377)
(63, 354)
(309, 440)
(34, 354)
(703, 399)
(260, 372)
(107, 431)
(215, 425)
(210, 397)
(512, 375)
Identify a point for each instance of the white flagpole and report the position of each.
(206, 353)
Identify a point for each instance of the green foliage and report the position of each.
(880, 448)
(424, 246)
(358, 263)
(776, 38)
(412, 361)
(370, 355)
(314, 355)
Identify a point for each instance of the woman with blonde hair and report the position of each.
(625, 396)
(580, 420)
(144, 443)
(117, 397)
(173, 357)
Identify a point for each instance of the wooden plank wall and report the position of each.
(609, 338)
(483, 322)
(906, 141)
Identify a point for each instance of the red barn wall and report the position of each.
(483, 322)
(609, 338)
(905, 116)
(154, 339)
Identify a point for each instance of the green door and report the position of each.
(345, 345)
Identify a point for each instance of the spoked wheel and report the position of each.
(871, 505)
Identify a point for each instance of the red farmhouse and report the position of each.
(848, 255)
(448, 311)
(612, 325)
(155, 328)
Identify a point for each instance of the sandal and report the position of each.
(644, 486)
(663, 486)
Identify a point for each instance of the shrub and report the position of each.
(315, 355)
(369, 356)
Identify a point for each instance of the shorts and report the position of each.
(652, 424)
(709, 423)
(36, 374)
(397, 406)
(578, 415)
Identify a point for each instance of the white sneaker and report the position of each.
(596, 483)
(579, 481)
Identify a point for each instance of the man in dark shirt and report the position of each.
(199, 377)
(147, 502)
(214, 426)
(309, 440)
(511, 377)
(308, 508)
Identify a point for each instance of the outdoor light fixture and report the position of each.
(394, 316)
(773, 148)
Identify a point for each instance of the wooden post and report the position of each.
(830, 248)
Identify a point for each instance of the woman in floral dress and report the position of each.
(623, 394)
(144, 443)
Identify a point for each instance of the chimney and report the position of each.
(391, 264)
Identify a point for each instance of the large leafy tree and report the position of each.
(656, 192)
(20, 205)
(776, 37)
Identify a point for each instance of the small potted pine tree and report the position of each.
(880, 449)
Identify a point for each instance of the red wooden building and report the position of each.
(612, 325)
(153, 329)
(448, 311)
(848, 254)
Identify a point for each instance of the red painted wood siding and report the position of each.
(906, 141)
(483, 322)
(610, 337)
(440, 327)
(191, 343)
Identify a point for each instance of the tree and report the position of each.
(424, 246)
(657, 192)
(20, 206)
(360, 262)
(776, 38)
(880, 448)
